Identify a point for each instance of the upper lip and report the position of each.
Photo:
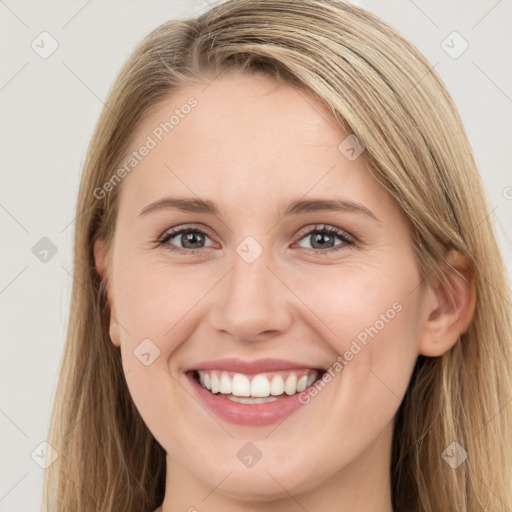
(250, 367)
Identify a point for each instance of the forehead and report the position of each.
(243, 138)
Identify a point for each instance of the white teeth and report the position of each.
(252, 400)
(260, 387)
(215, 383)
(290, 386)
(225, 384)
(240, 385)
(302, 383)
(277, 385)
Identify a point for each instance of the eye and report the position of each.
(323, 238)
(191, 238)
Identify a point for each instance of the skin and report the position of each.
(251, 145)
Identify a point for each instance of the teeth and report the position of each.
(290, 386)
(302, 383)
(277, 385)
(261, 387)
(252, 400)
(240, 385)
(225, 384)
(215, 383)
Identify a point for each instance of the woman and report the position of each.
(290, 293)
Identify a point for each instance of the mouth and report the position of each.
(253, 399)
(256, 389)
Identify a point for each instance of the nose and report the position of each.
(253, 303)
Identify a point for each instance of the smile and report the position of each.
(252, 393)
(261, 388)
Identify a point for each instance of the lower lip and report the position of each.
(246, 414)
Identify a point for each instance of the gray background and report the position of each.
(49, 108)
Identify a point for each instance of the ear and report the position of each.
(101, 268)
(449, 307)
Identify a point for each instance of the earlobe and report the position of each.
(114, 332)
(99, 260)
(449, 307)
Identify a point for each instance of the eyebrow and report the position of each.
(196, 205)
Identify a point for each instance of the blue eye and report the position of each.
(323, 236)
(193, 239)
(189, 236)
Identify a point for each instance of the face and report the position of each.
(267, 287)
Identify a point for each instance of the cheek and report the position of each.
(357, 295)
(369, 314)
(153, 299)
(152, 305)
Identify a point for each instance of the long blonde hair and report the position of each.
(380, 88)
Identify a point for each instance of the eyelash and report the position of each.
(348, 241)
